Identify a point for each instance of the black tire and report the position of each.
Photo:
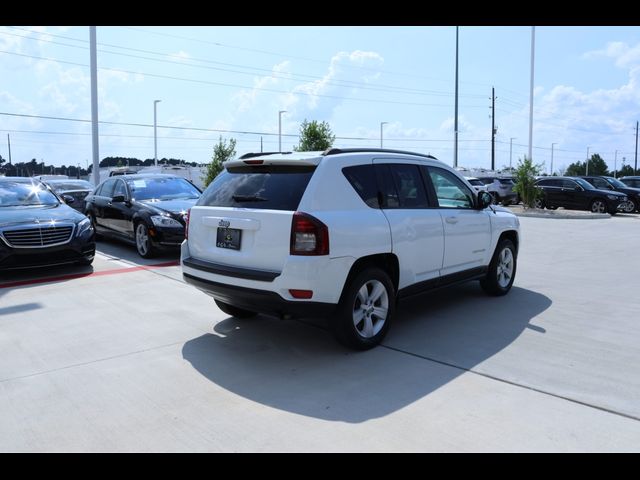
(494, 282)
(598, 204)
(632, 206)
(144, 247)
(539, 203)
(235, 311)
(362, 297)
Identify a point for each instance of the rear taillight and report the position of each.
(186, 225)
(309, 236)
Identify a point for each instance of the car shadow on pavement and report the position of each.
(291, 366)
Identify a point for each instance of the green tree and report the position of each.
(524, 178)
(315, 136)
(576, 168)
(221, 153)
(597, 166)
(625, 171)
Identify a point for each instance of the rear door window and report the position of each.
(272, 187)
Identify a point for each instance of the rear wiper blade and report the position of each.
(249, 198)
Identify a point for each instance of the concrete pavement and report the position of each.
(130, 359)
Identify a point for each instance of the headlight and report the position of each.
(614, 197)
(162, 221)
(83, 226)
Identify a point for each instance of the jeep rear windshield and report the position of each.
(269, 187)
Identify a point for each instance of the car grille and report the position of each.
(38, 236)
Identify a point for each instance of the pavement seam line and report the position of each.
(509, 382)
(44, 372)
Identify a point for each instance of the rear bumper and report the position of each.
(261, 301)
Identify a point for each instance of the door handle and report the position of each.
(451, 220)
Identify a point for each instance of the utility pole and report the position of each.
(493, 128)
(587, 172)
(94, 106)
(615, 165)
(551, 173)
(635, 168)
(9, 145)
(261, 144)
(455, 121)
(533, 55)
(511, 151)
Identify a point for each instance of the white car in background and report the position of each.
(477, 184)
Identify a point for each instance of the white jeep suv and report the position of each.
(343, 234)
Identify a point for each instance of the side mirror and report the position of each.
(68, 199)
(484, 200)
(118, 199)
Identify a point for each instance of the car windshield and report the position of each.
(23, 193)
(65, 185)
(158, 188)
(583, 183)
(616, 183)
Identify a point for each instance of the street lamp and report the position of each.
(511, 151)
(280, 129)
(615, 164)
(381, 124)
(551, 173)
(155, 133)
(587, 169)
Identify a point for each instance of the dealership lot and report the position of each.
(126, 357)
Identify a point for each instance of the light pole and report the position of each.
(510, 151)
(615, 164)
(533, 50)
(551, 172)
(455, 121)
(381, 124)
(280, 129)
(587, 169)
(155, 133)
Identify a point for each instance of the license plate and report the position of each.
(228, 238)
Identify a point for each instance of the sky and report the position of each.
(232, 82)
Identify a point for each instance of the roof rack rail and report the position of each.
(335, 151)
(259, 154)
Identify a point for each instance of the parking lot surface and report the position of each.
(123, 356)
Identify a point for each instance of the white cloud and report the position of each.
(625, 56)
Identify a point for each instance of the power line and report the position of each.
(222, 84)
(286, 76)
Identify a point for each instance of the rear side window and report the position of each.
(266, 187)
(363, 180)
(506, 181)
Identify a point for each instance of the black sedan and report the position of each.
(577, 194)
(147, 210)
(37, 229)
(72, 191)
